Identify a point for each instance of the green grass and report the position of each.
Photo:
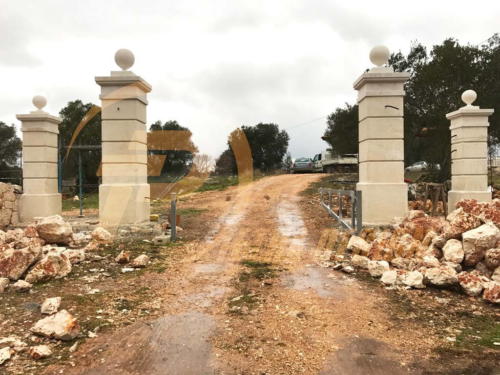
(256, 270)
(481, 331)
(218, 183)
(190, 211)
(89, 201)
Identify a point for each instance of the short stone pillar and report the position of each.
(40, 194)
(469, 152)
(124, 195)
(381, 141)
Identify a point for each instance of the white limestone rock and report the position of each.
(54, 229)
(477, 241)
(389, 277)
(360, 261)
(453, 251)
(4, 355)
(441, 276)
(376, 268)
(40, 352)
(102, 236)
(61, 326)
(21, 286)
(140, 262)
(429, 261)
(358, 246)
(472, 282)
(4, 284)
(52, 266)
(51, 305)
(413, 279)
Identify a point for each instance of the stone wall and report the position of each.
(9, 197)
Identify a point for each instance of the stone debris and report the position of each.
(40, 351)
(347, 269)
(389, 277)
(377, 268)
(61, 326)
(9, 197)
(358, 246)
(161, 240)
(413, 279)
(14, 343)
(15, 262)
(75, 256)
(419, 250)
(21, 286)
(54, 229)
(4, 355)
(453, 251)
(102, 236)
(123, 257)
(51, 305)
(52, 266)
(4, 284)
(140, 262)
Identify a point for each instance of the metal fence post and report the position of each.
(173, 217)
(359, 211)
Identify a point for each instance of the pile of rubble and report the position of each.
(461, 251)
(58, 325)
(9, 196)
(43, 251)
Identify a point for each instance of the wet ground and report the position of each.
(251, 297)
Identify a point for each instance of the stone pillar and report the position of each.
(124, 195)
(40, 194)
(469, 152)
(381, 141)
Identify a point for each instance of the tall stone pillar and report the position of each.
(124, 195)
(381, 141)
(40, 194)
(469, 152)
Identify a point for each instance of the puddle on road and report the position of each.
(363, 355)
(175, 344)
(290, 224)
(205, 298)
(316, 279)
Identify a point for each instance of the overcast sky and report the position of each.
(216, 65)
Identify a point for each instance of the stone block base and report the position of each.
(124, 204)
(381, 202)
(456, 196)
(39, 205)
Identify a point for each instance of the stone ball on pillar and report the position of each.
(124, 58)
(468, 97)
(39, 102)
(379, 55)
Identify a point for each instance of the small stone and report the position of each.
(4, 283)
(360, 261)
(471, 282)
(123, 257)
(377, 268)
(102, 236)
(14, 343)
(40, 352)
(389, 277)
(50, 305)
(75, 256)
(492, 292)
(140, 262)
(430, 261)
(54, 229)
(161, 240)
(492, 258)
(347, 269)
(61, 326)
(127, 269)
(21, 286)
(4, 355)
(413, 279)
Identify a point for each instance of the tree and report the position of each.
(342, 130)
(174, 142)
(10, 152)
(437, 80)
(80, 126)
(267, 143)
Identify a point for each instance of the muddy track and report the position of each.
(303, 320)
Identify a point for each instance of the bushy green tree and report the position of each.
(10, 153)
(342, 130)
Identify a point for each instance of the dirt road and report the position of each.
(251, 297)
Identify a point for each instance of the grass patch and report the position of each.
(89, 201)
(218, 183)
(481, 331)
(190, 211)
(256, 270)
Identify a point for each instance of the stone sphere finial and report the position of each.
(124, 58)
(379, 55)
(39, 102)
(469, 96)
